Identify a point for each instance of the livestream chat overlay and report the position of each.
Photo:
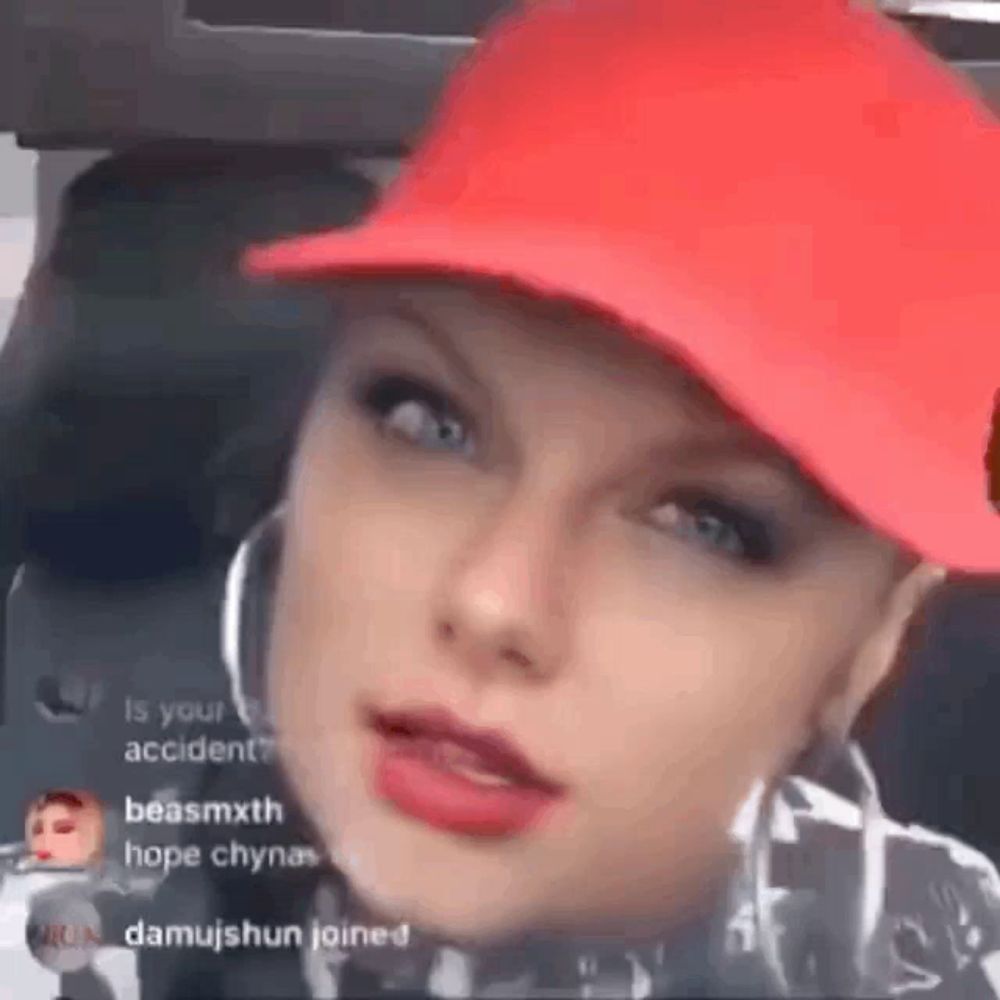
(121, 895)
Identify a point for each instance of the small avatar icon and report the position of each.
(65, 829)
(66, 697)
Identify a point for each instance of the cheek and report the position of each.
(359, 577)
(673, 710)
(695, 694)
(355, 601)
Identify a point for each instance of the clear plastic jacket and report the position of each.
(938, 933)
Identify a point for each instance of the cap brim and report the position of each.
(866, 442)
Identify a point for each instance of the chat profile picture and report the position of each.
(63, 931)
(65, 829)
(66, 697)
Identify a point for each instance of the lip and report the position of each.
(412, 775)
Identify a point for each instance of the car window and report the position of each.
(17, 223)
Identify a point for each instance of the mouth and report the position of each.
(434, 768)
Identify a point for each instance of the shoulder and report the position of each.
(941, 913)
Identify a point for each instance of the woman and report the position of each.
(662, 407)
(65, 828)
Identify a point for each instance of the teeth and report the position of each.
(483, 777)
(461, 761)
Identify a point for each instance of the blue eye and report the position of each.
(415, 413)
(719, 527)
(415, 422)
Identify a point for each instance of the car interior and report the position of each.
(149, 396)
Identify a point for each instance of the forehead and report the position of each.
(555, 340)
(52, 811)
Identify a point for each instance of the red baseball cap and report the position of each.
(793, 197)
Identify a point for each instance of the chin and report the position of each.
(463, 893)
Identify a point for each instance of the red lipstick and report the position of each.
(436, 769)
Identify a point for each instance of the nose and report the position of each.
(503, 606)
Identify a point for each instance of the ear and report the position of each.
(877, 655)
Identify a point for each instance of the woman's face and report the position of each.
(61, 834)
(505, 518)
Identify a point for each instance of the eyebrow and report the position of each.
(438, 338)
(752, 450)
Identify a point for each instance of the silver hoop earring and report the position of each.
(246, 620)
(869, 902)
